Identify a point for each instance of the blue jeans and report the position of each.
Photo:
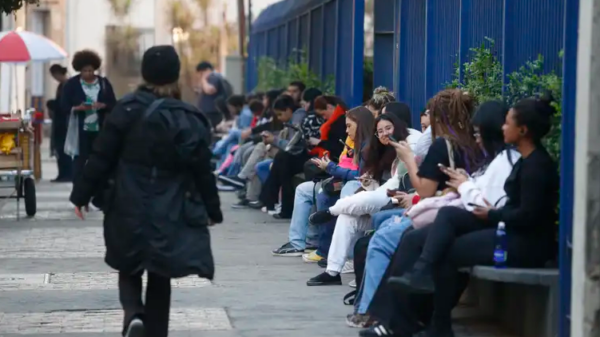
(382, 246)
(300, 230)
(325, 201)
(223, 146)
(380, 217)
(263, 169)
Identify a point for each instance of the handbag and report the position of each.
(314, 173)
(72, 140)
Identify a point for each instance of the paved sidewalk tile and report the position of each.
(62, 322)
(80, 281)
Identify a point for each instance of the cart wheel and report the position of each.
(30, 199)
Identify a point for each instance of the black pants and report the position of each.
(455, 240)
(285, 167)
(214, 117)
(155, 311)
(64, 163)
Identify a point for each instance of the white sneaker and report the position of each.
(135, 328)
(273, 212)
(352, 284)
(348, 267)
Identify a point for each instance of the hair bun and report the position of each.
(381, 91)
(545, 105)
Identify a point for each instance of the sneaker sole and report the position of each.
(314, 284)
(288, 254)
(347, 271)
(231, 182)
(309, 261)
(135, 329)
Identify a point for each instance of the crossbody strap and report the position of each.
(450, 154)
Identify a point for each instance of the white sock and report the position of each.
(332, 273)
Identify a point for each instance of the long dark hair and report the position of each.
(536, 114)
(378, 156)
(489, 118)
(309, 95)
(400, 110)
(364, 126)
(450, 112)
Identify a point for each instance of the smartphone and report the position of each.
(474, 205)
(442, 167)
(391, 138)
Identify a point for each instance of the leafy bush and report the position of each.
(530, 80)
(272, 75)
(482, 77)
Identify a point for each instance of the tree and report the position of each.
(11, 6)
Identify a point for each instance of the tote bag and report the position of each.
(72, 141)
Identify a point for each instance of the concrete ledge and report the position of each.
(542, 276)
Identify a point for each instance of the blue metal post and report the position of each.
(358, 46)
(567, 168)
(429, 8)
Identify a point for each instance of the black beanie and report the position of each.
(161, 65)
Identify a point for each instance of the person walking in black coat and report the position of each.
(152, 163)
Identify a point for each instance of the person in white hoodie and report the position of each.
(485, 184)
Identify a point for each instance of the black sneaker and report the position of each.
(241, 204)
(288, 250)
(320, 217)
(135, 328)
(255, 205)
(325, 279)
(233, 181)
(376, 330)
(311, 248)
(322, 263)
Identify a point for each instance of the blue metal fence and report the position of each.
(430, 36)
(329, 32)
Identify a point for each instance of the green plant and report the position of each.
(273, 75)
(531, 80)
(481, 75)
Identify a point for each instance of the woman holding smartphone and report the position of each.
(90, 97)
(380, 166)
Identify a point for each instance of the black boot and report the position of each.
(418, 280)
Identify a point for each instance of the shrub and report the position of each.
(482, 77)
(273, 75)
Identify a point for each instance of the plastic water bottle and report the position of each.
(500, 254)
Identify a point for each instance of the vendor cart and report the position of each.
(16, 161)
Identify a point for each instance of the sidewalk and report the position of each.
(53, 280)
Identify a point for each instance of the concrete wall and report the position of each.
(87, 21)
(585, 303)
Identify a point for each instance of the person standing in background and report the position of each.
(295, 89)
(210, 89)
(91, 98)
(60, 122)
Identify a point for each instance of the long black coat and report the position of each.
(161, 192)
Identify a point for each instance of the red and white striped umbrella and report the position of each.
(17, 46)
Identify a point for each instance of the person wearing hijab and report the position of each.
(402, 111)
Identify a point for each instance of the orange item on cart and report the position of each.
(7, 142)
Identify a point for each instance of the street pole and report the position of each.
(242, 41)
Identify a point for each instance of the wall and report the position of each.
(585, 307)
(87, 21)
(330, 32)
